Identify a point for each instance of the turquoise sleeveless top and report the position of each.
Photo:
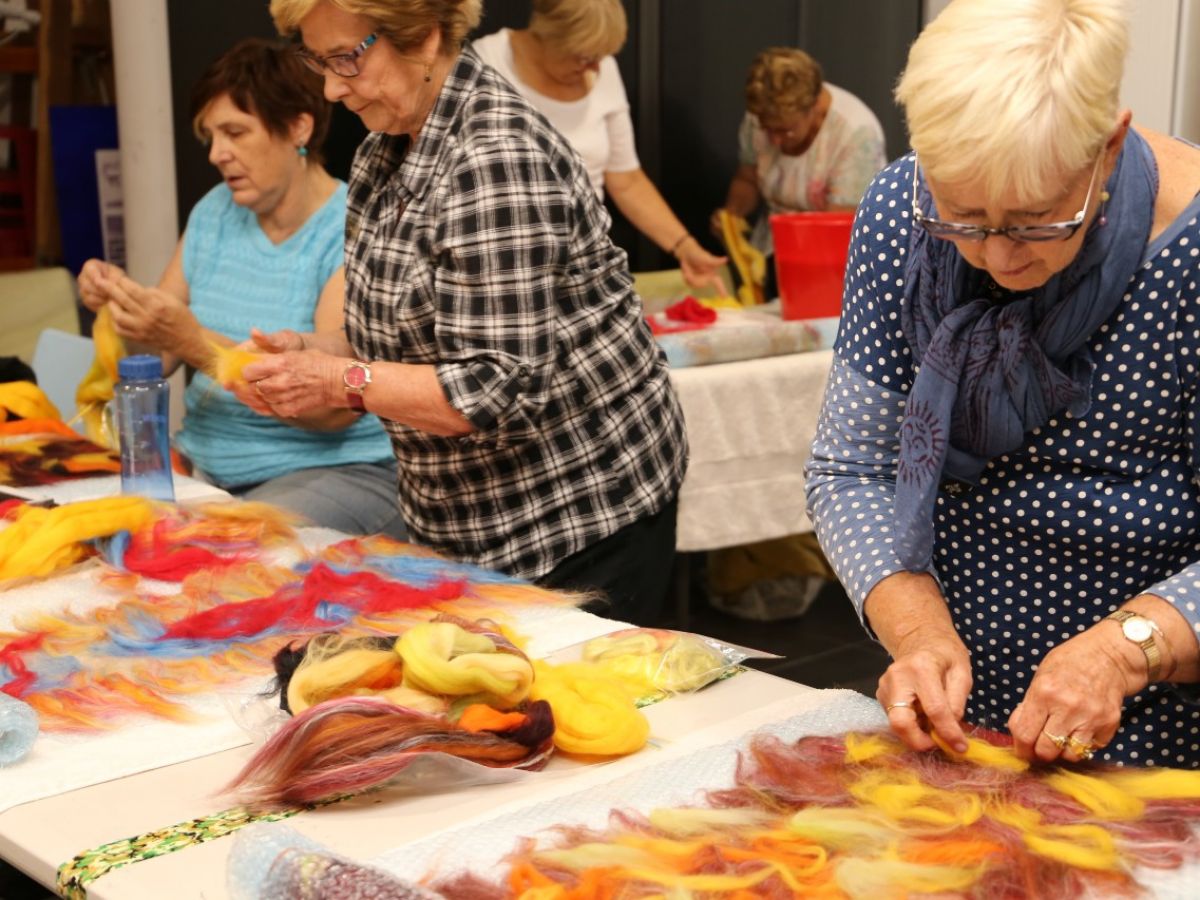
(238, 279)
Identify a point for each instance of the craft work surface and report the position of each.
(66, 762)
(750, 425)
(187, 489)
(39, 836)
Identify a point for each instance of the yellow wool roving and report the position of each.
(653, 660)
(983, 754)
(444, 658)
(916, 807)
(1082, 846)
(337, 666)
(96, 389)
(594, 713)
(41, 541)
(228, 363)
(25, 400)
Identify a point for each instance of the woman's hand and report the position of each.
(926, 687)
(700, 268)
(151, 316)
(1072, 706)
(291, 382)
(94, 280)
(275, 342)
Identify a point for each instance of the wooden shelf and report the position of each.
(18, 60)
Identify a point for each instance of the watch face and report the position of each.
(355, 377)
(1136, 629)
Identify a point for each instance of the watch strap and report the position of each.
(355, 387)
(1149, 646)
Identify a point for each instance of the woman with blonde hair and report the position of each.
(490, 322)
(1007, 469)
(804, 145)
(563, 64)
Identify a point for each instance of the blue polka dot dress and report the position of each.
(1089, 513)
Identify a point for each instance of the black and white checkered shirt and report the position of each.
(481, 249)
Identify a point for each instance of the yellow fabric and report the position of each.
(750, 263)
(41, 541)
(594, 713)
(25, 400)
(96, 389)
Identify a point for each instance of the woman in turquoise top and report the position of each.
(263, 250)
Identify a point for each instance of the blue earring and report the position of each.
(302, 150)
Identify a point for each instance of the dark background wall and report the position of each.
(684, 66)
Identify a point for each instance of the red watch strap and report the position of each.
(355, 401)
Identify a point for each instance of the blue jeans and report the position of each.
(358, 499)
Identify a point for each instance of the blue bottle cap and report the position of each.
(140, 367)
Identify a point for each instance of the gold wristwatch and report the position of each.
(1143, 632)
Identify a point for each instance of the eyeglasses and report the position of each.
(958, 231)
(343, 64)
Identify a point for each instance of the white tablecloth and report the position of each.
(750, 426)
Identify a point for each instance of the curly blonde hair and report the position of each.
(782, 81)
(405, 23)
(1019, 93)
(582, 27)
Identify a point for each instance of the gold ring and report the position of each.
(1082, 749)
(1056, 739)
(899, 704)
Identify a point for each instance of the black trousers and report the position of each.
(630, 569)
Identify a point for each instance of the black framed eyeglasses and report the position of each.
(343, 64)
(959, 231)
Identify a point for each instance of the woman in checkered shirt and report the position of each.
(490, 321)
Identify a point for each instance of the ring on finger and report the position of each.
(1058, 740)
(899, 704)
(1082, 749)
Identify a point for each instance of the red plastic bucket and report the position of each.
(810, 262)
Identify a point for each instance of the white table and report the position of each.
(750, 426)
(37, 837)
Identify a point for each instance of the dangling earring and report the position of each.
(1105, 196)
(428, 73)
(302, 151)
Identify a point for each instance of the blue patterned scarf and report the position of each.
(991, 371)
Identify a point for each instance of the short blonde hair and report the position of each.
(782, 81)
(583, 27)
(405, 23)
(1021, 92)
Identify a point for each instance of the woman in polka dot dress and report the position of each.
(1006, 474)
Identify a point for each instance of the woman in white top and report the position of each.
(804, 145)
(562, 64)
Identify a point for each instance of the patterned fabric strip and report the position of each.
(74, 876)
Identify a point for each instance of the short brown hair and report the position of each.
(269, 81)
(782, 80)
(405, 23)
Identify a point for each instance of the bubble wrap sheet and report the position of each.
(479, 846)
(677, 776)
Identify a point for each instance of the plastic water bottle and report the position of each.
(141, 400)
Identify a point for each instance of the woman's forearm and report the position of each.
(904, 605)
(411, 395)
(640, 202)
